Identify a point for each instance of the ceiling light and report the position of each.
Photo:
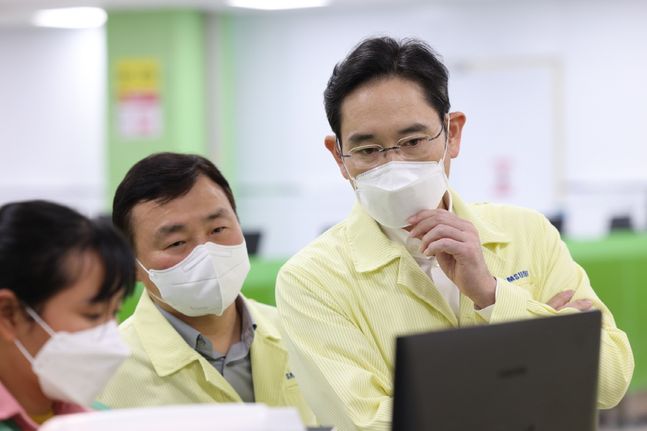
(73, 17)
(277, 4)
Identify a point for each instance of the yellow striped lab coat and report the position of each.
(344, 299)
(164, 370)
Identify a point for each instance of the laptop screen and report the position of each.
(538, 375)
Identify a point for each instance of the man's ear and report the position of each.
(10, 313)
(456, 122)
(330, 142)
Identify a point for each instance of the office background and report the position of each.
(554, 94)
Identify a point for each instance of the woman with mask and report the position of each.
(62, 279)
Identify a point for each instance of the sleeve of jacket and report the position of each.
(557, 271)
(343, 376)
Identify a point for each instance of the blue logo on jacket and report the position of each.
(518, 276)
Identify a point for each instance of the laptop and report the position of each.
(530, 375)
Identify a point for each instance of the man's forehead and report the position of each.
(155, 215)
(150, 210)
(385, 107)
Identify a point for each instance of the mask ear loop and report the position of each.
(42, 324)
(40, 321)
(158, 298)
(24, 351)
(142, 267)
(442, 162)
(352, 179)
(148, 291)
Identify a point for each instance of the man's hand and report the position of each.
(563, 300)
(457, 247)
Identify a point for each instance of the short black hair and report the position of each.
(38, 239)
(162, 177)
(382, 57)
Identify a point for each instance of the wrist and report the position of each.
(487, 296)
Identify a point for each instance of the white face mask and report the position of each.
(394, 191)
(207, 281)
(76, 366)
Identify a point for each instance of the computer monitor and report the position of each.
(252, 239)
(531, 375)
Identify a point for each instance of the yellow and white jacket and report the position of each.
(345, 298)
(164, 370)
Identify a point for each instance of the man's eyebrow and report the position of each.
(416, 127)
(220, 212)
(169, 229)
(357, 138)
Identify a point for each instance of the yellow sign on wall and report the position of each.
(139, 109)
(137, 75)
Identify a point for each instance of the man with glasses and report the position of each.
(412, 256)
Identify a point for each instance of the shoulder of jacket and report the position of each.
(256, 307)
(506, 216)
(261, 311)
(328, 250)
(127, 328)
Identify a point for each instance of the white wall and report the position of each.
(569, 98)
(589, 55)
(52, 85)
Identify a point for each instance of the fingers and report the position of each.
(455, 243)
(425, 220)
(443, 232)
(461, 251)
(561, 299)
(422, 215)
(439, 232)
(580, 304)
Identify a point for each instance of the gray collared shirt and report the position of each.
(235, 366)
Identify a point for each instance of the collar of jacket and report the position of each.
(167, 350)
(371, 248)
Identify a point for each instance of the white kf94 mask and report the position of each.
(393, 192)
(76, 366)
(207, 281)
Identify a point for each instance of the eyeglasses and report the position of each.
(410, 148)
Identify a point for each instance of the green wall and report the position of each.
(225, 100)
(175, 40)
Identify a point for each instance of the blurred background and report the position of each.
(553, 91)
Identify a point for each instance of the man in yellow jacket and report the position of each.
(412, 256)
(194, 337)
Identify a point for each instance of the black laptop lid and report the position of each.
(531, 375)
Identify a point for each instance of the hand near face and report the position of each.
(456, 245)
